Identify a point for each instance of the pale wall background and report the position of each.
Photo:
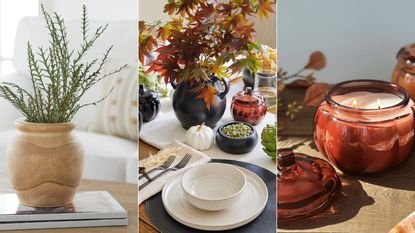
(13, 11)
(151, 10)
(359, 38)
(122, 10)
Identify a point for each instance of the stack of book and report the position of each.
(89, 209)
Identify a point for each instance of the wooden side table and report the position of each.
(124, 193)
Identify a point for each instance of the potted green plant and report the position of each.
(45, 160)
(202, 44)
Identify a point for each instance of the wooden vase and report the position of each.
(45, 163)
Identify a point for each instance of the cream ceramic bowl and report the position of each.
(213, 186)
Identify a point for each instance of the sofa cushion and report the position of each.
(106, 157)
(117, 114)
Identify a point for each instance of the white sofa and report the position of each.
(106, 157)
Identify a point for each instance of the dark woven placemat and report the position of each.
(264, 223)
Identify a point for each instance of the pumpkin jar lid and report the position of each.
(306, 185)
(248, 97)
(407, 53)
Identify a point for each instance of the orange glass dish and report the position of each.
(404, 71)
(359, 139)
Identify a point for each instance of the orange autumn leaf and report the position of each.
(220, 71)
(208, 95)
(265, 8)
(170, 8)
(141, 26)
(146, 45)
(317, 61)
(210, 34)
(164, 32)
(315, 94)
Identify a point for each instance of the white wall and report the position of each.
(151, 10)
(97, 9)
(359, 38)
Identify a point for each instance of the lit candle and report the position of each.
(367, 100)
(365, 126)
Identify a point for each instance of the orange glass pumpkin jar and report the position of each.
(404, 71)
(365, 126)
(248, 106)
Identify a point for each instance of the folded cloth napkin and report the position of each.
(163, 130)
(198, 158)
(407, 225)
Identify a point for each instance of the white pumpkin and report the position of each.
(200, 137)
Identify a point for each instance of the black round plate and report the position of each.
(264, 223)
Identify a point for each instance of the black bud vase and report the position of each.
(191, 111)
(149, 103)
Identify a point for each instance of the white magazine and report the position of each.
(89, 209)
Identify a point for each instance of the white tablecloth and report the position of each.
(163, 130)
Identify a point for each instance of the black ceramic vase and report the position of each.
(191, 111)
(149, 103)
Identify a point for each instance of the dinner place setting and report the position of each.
(214, 170)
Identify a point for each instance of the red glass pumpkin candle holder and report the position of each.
(247, 106)
(404, 72)
(365, 126)
(406, 53)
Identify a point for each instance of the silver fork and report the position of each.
(178, 166)
(164, 166)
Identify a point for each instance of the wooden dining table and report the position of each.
(145, 224)
(367, 203)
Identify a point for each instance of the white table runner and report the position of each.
(163, 130)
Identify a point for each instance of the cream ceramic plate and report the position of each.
(251, 204)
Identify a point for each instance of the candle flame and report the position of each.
(354, 103)
(378, 103)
